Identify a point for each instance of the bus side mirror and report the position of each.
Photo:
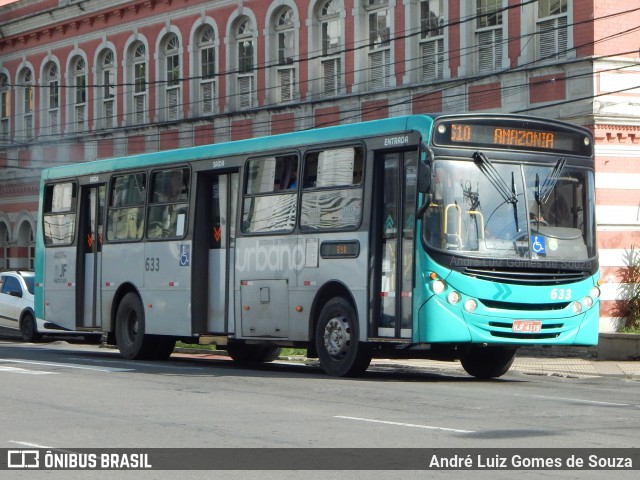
(424, 169)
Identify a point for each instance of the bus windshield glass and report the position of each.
(493, 209)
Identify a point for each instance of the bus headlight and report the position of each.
(576, 307)
(453, 297)
(587, 302)
(470, 305)
(438, 286)
(595, 292)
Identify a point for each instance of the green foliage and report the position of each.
(629, 311)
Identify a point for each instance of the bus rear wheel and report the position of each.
(488, 362)
(340, 352)
(130, 331)
(242, 352)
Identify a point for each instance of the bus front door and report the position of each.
(214, 243)
(91, 231)
(394, 227)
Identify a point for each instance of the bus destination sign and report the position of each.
(515, 135)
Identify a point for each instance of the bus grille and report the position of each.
(526, 277)
(522, 306)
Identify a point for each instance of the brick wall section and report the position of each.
(136, 144)
(203, 135)
(426, 103)
(241, 129)
(169, 139)
(325, 117)
(483, 97)
(375, 110)
(105, 148)
(548, 88)
(282, 123)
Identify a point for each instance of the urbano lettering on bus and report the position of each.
(272, 258)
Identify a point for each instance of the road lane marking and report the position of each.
(399, 424)
(580, 400)
(66, 365)
(24, 371)
(28, 444)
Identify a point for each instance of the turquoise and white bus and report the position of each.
(447, 237)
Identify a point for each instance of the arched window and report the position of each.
(552, 29)
(206, 69)
(106, 90)
(79, 111)
(432, 20)
(379, 20)
(330, 35)
(172, 77)
(5, 111)
(25, 103)
(245, 55)
(51, 96)
(137, 75)
(286, 41)
(489, 35)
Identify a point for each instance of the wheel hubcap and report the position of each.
(337, 337)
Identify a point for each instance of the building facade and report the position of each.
(82, 80)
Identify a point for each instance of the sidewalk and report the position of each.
(560, 367)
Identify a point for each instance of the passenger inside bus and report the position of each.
(170, 191)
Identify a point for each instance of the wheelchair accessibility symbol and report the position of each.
(538, 245)
(185, 254)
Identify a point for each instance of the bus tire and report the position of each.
(130, 330)
(340, 352)
(28, 329)
(244, 353)
(488, 362)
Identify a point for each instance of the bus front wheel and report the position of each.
(340, 352)
(488, 362)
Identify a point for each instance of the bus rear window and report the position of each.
(59, 221)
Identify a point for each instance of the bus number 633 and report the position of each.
(152, 264)
(561, 294)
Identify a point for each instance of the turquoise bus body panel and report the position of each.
(436, 320)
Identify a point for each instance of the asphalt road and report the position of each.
(65, 396)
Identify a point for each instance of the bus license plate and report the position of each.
(526, 326)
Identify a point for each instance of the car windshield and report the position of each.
(29, 280)
(486, 208)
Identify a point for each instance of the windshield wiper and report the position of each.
(543, 192)
(509, 195)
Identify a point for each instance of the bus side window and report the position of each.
(332, 189)
(59, 221)
(270, 201)
(125, 218)
(168, 209)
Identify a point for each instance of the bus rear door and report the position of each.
(89, 260)
(214, 243)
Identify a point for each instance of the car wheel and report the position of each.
(28, 329)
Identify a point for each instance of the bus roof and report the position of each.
(420, 123)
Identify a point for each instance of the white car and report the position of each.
(16, 308)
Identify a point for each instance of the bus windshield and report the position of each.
(487, 208)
